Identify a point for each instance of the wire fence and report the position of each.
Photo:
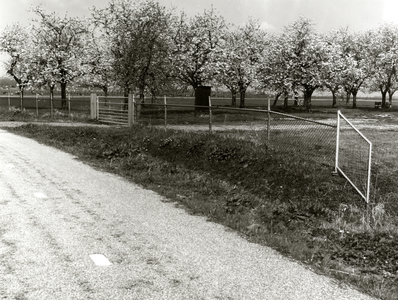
(276, 131)
(43, 107)
(283, 133)
(306, 138)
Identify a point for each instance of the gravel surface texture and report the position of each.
(56, 212)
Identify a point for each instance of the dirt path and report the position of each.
(56, 211)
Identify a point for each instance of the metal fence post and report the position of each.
(165, 112)
(52, 105)
(269, 122)
(21, 96)
(337, 143)
(369, 174)
(93, 106)
(69, 105)
(97, 106)
(210, 116)
(37, 105)
(134, 111)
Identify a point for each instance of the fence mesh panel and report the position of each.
(312, 139)
(354, 157)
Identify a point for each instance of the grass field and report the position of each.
(283, 199)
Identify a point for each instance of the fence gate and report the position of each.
(353, 156)
(113, 110)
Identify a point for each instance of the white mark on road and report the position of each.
(11, 166)
(100, 260)
(40, 195)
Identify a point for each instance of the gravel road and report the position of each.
(56, 213)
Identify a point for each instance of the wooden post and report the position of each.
(93, 106)
(131, 110)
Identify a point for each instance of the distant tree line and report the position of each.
(142, 47)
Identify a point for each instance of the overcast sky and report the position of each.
(273, 14)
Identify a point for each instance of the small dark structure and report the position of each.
(202, 94)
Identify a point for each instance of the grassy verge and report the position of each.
(285, 202)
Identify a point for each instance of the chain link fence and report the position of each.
(276, 131)
(307, 138)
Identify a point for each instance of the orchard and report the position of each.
(142, 47)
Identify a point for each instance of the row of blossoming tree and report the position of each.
(140, 46)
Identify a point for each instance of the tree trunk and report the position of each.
(390, 94)
(140, 102)
(233, 102)
(334, 104)
(242, 98)
(348, 96)
(63, 94)
(126, 92)
(307, 98)
(276, 99)
(383, 97)
(21, 89)
(105, 90)
(126, 97)
(354, 98)
(21, 86)
(142, 95)
(286, 100)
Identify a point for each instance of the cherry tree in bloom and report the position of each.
(138, 34)
(294, 62)
(274, 73)
(304, 53)
(99, 72)
(237, 62)
(355, 49)
(383, 52)
(16, 42)
(60, 44)
(335, 63)
(194, 40)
